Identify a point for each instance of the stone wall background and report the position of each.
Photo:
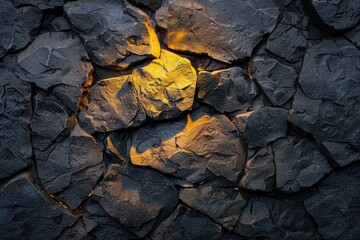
(179, 119)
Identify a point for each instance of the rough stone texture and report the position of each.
(298, 164)
(260, 127)
(342, 153)
(152, 4)
(114, 33)
(265, 217)
(259, 172)
(190, 146)
(111, 105)
(226, 90)
(17, 26)
(19, 200)
(165, 86)
(42, 4)
(186, 224)
(336, 15)
(221, 204)
(354, 35)
(15, 113)
(335, 206)
(325, 107)
(224, 29)
(275, 79)
(137, 198)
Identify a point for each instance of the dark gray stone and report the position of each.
(299, 164)
(190, 146)
(342, 153)
(226, 30)
(336, 15)
(186, 224)
(326, 101)
(15, 114)
(137, 198)
(275, 79)
(354, 35)
(222, 204)
(259, 172)
(267, 218)
(114, 33)
(60, 24)
(226, 90)
(335, 206)
(152, 4)
(18, 26)
(262, 126)
(25, 213)
(42, 4)
(111, 105)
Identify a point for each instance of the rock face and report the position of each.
(189, 147)
(18, 200)
(226, 90)
(112, 105)
(165, 86)
(42, 4)
(18, 26)
(336, 204)
(114, 33)
(336, 15)
(223, 29)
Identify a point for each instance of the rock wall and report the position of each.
(179, 119)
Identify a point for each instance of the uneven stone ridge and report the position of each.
(179, 119)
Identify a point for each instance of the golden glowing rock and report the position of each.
(166, 86)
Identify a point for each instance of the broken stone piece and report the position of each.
(165, 86)
(114, 33)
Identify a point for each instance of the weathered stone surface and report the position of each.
(326, 107)
(221, 204)
(59, 62)
(265, 217)
(15, 113)
(137, 198)
(17, 26)
(186, 224)
(71, 168)
(26, 214)
(335, 206)
(259, 173)
(190, 146)
(336, 15)
(112, 104)
(60, 24)
(288, 40)
(224, 29)
(299, 164)
(262, 126)
(42, 4)
(354, 35)
(275, 79)
(165, 86)
(114, 33)
(152, 4)
(226, 90)
(342, 153)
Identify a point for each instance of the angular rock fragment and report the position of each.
(114, 33)
(326, 107)
(70, 169)
(226, 90)
(187, 148)
(111, 105)
(26, 214)
(226, 30)
(275, 79)
(335, 15)
(42, 4)
(186, 224)
(137, 198)
(259, 173)
(265, 217)
(17, 26)
(15, 114)
(342, 153)
(165, 86)
(335, 206)
(262, 126)
(59, 62)
(221, 204)
(299, 164)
